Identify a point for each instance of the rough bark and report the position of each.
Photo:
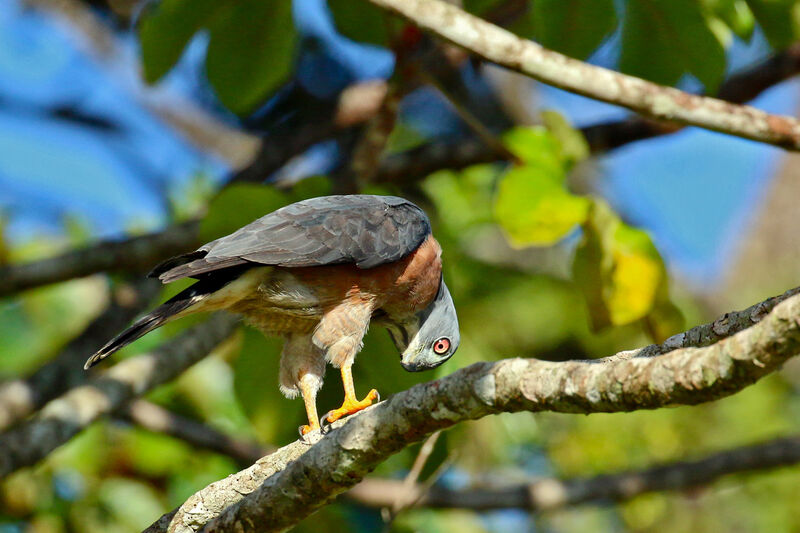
(64, 417)
(649, 99)
(290, 484)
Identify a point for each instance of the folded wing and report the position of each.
(362, 229)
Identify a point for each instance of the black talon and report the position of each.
(324, 425)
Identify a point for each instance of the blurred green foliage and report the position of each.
(602, 288)
(115, 477)
(252, 42)
(250, 52)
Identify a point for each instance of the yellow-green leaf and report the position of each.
(536, 146)
(619, 271)
(534, 207)
(574, 147)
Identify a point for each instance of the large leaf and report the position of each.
(462, 199)
(361, 21)
(534, 207)
(621, 274)
(574, 147)
(573, 27)
(532, 204)
(664, 39)
(251, 52)
(536, 147)
(237, 206)
(165, 31)
(779, 19)
(636, 276)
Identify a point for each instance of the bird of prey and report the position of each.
(316, 272)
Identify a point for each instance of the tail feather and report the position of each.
(141, 327)
(164, 313)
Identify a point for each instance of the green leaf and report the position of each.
(574, 147)
(734, 14)
(536, 146)
(665, 319)
(621, 274)
(534, 207)
(479, 7)
(779, 19)
(251, 52)
(664, 39)
(310, 187)
(255, 382)
(573, 27)
(360, 21)
(462, 199)
(165, 31)
(237, 206)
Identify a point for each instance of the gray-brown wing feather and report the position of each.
(362, 229)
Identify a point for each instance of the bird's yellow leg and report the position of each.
(310, 399)
(351, 404)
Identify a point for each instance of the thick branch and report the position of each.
(21, 397)
(708, 334)
(137, 254)
(314, 475)
(663, 103)
(64, 417)
(552, 493)
(539, 495)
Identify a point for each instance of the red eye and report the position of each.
(441, 346)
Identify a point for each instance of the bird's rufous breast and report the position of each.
(400, 288)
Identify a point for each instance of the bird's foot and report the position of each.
(306, 429)
(351, 406)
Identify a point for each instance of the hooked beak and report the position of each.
(416, 339)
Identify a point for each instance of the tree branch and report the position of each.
(296, 480)
(64, 417)
(21, 397)
(540, 495)
(135, 255)
(354, 107)
(155, 418)
(552, 493)
(415, 164)
(662, 103)
(739, 89)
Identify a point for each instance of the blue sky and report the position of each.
(693, 190)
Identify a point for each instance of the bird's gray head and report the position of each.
(430, 337)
